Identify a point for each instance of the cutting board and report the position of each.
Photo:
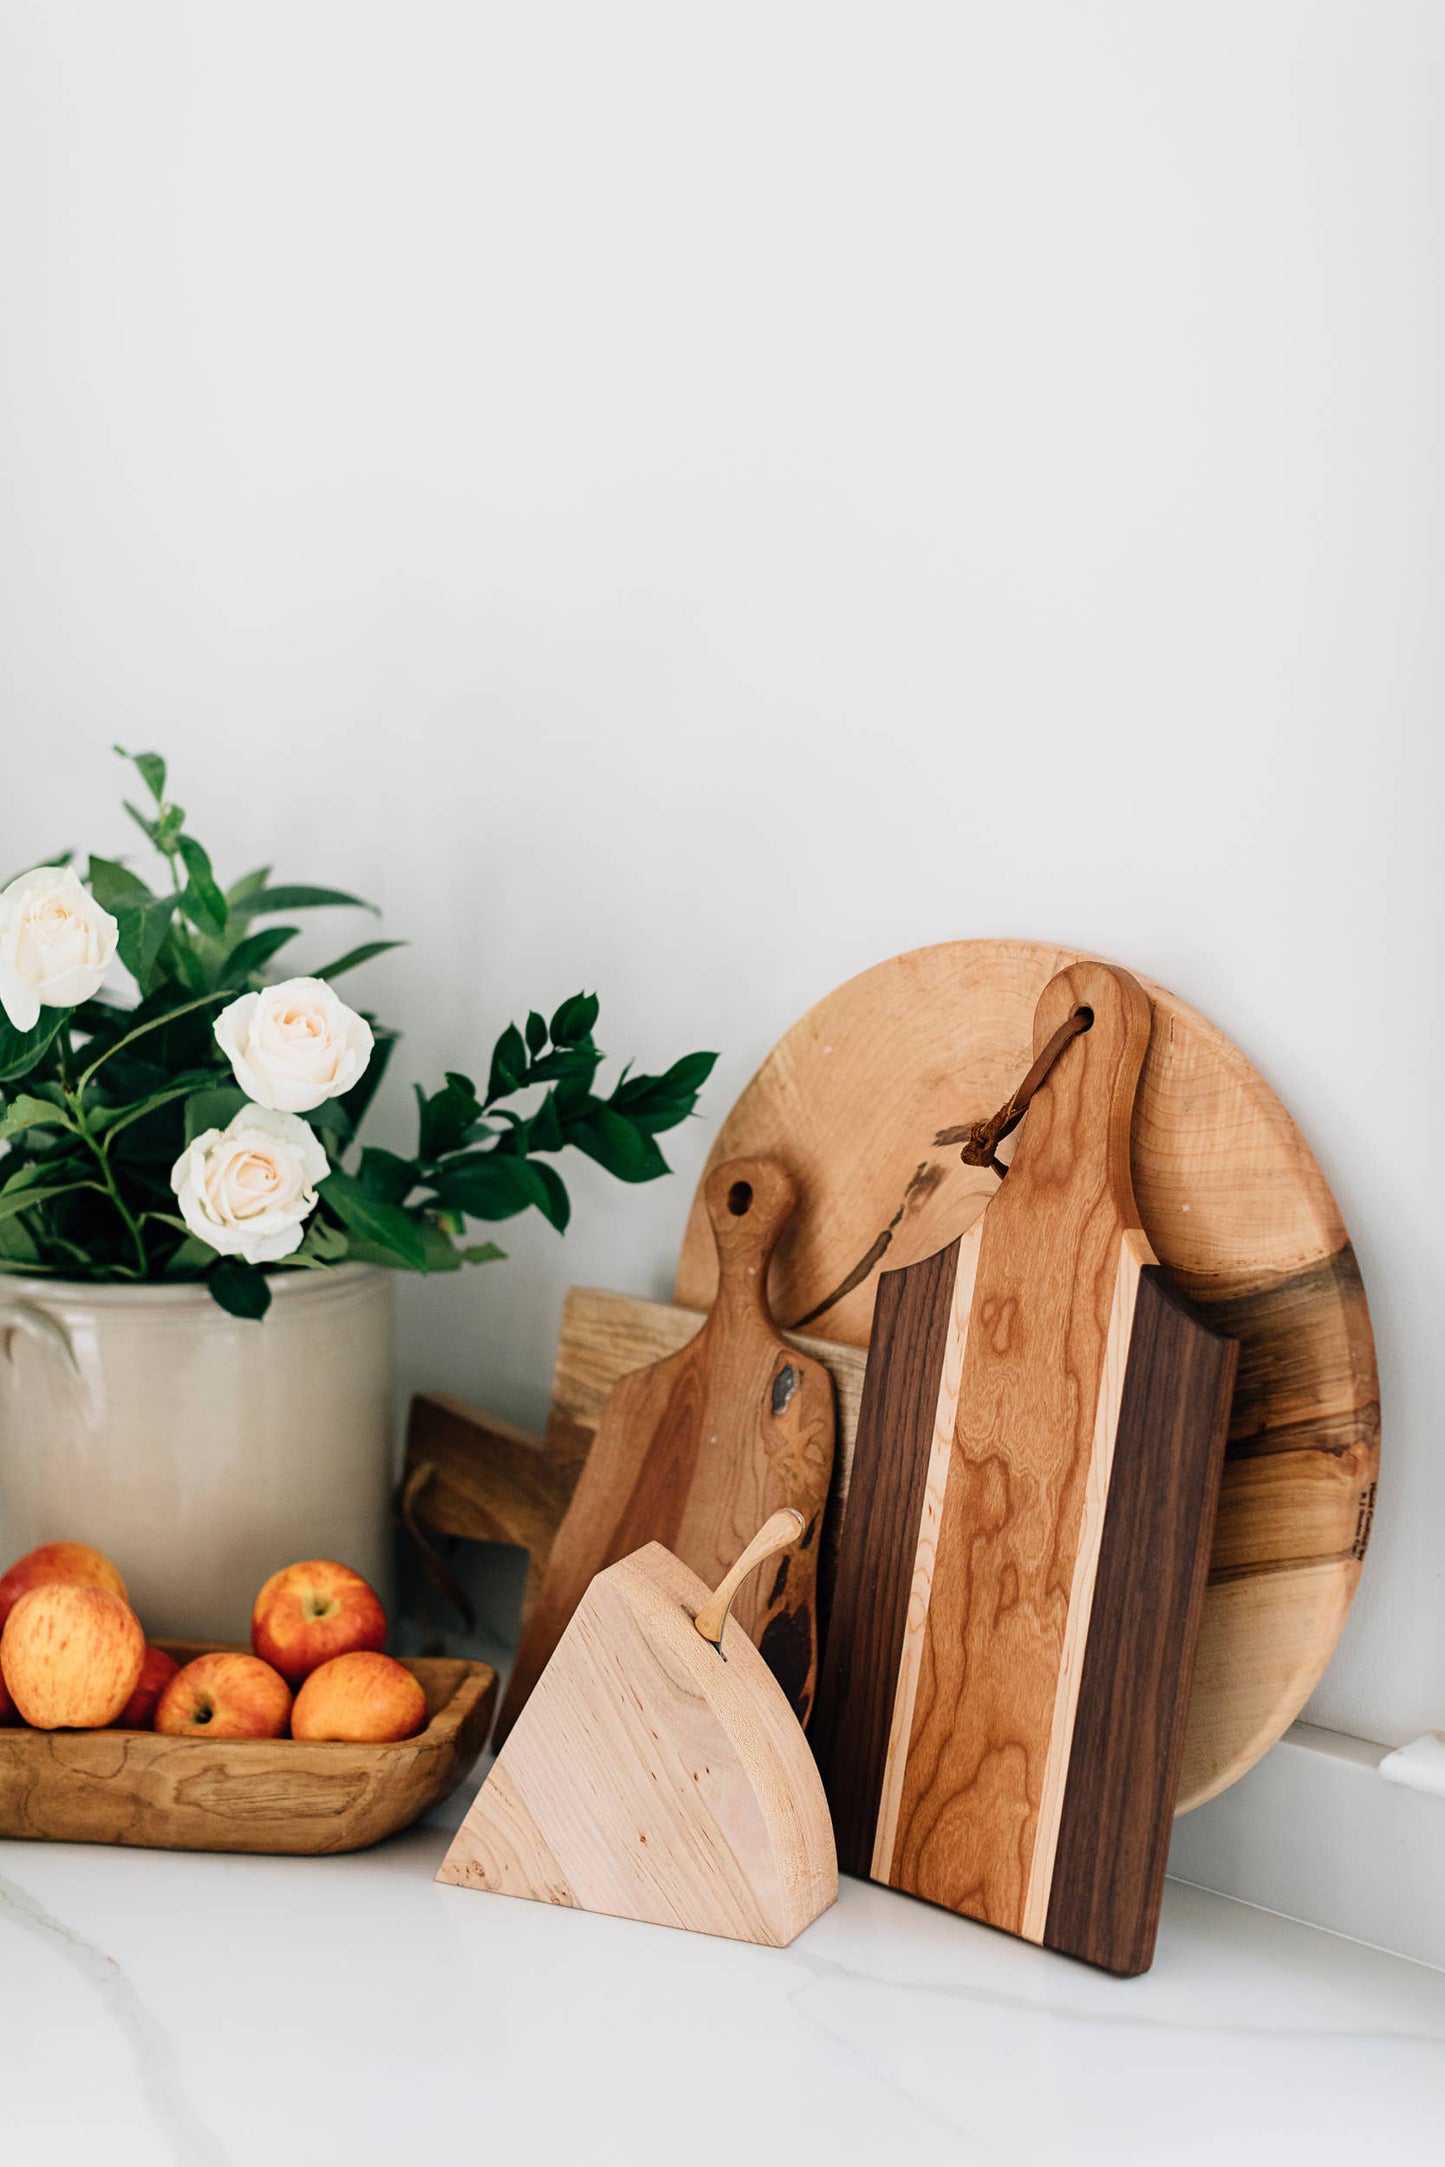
(697, 1450)
(1235, 1206)
(1001, 1709)
(657, 1771)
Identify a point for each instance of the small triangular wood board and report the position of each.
(695, 1451)
(653, 1776)
(1002, 1698)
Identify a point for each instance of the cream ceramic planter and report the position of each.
(198, 1450)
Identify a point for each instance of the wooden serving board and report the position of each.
(244, 1794)
(697, 1450)
(1234, 1207)
(1001, 1709)
(657, 1772)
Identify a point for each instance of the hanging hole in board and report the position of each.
(740, 1198)
(1087, 1016)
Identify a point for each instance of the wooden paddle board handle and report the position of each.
(749, 1202)
(775, 1534)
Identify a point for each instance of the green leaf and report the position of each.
(25, 1112)
(536, 1032)
(18, 1197)
(574, 1019)
(355, 956)
(239, 1288)
(387, 1176)
(558, 1207)
(241, 894)
(20, 1050)
(112, 1120)
(381, 1224)
(114, 885)
(509, 1064)
(213, 1109)
(143, 929)
(330, 1118)
(323, 1246)
(202, 901)
(610, 1139)
(483, 1253)
(655, 1103)
(489, 1185)
(544, 1131)
(297, 898)
(148, 827)
(573, 1064)
(355, 1102)
(441, 1253)
(254, 953)
(445, 1117)
(191, 1255)
(151, 769)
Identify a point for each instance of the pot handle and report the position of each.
(17, 1316)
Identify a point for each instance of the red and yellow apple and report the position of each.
(363, 1698)
(225, 1695)
(308, 1613)
(156, 1673)
(9, 1713)
(73, 1562)
(71, 1655)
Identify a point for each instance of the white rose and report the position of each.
(56, 944)
(248, 1188)
(294, 1045)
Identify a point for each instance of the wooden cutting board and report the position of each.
(657, 1772)
(696, 1451)
(1235, 1207)
(1001, 1707)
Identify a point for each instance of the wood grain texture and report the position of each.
(1014, 1630)
(651, 1776)
(696, 1451)
(244, 1794)
(1233, 1204)
(1147, 1600)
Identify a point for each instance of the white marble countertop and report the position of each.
(184, 2010)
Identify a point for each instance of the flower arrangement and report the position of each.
(201, 1131)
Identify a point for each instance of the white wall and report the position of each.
(692, 499)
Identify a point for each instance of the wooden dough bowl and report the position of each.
(244, 1794)
(851, 1099)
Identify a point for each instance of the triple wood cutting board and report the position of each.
(1001, 1708)
(696, 1451)
(1235, 1206)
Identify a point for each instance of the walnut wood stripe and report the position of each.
(853, 1714)
(1134, 1252)
(935, 1488)
(1128, 1733)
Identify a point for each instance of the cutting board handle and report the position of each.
(749, 1202)
(775, 1534)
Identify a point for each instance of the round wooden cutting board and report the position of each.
(1231, 1198)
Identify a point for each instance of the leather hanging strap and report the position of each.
(980, 1141)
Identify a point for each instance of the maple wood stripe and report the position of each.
(851, 1722)
(915, 1630)
(1134, 1252)
(1129, 1724)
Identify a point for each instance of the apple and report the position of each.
(75, 1562)
(363, 1698)
(156, 1673)
(307, 1613)
(225, 1695)
(9, 1713)
(71, 1656)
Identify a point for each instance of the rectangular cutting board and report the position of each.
(1001, 1705)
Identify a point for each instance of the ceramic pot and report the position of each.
(199, 1450)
